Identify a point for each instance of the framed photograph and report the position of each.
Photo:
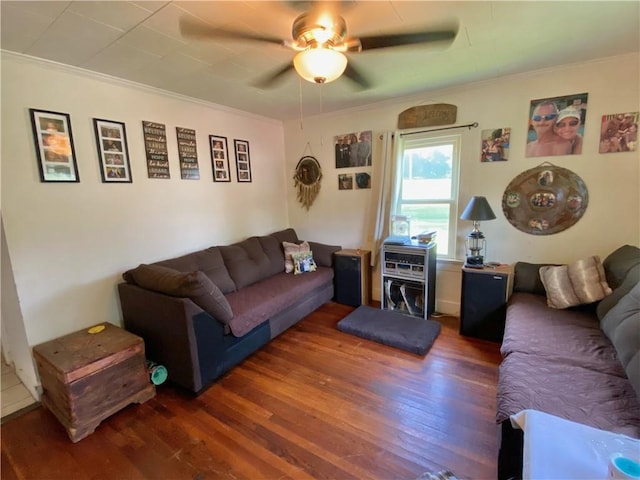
(243, 162)
(155, 145)
(353, 149)
(113, 152)
(188, 154)
(495, 145)
(619, 132)
(219, 158)
(363, 180)
(556, 125)
(345, 181)
(54, 146)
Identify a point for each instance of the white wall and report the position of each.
(611, 219)
(70, 242)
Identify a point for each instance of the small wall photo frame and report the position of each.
(345, 181)
(219, 158)
(495, 145)
(113, 152)
(54, 146)
(363, 180)
(243, 161)
(619, 132)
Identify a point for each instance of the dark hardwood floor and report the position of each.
(315, 403)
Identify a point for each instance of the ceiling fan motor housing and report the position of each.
(311, 29)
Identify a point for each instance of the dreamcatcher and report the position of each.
(307, 177)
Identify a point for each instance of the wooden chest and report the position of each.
(87, 376)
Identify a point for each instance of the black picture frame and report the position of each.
(243, 160)
(219, 158)
(188, 153)
(53, 141)
(113, 151)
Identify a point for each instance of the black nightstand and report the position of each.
(483, 306)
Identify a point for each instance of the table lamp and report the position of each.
(477, 209)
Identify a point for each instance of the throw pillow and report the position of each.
(194, 285)
(571, 285)
(303, 262)
(289, 250)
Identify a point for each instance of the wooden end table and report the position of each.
(86, 377)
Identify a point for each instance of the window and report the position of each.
(427, 187)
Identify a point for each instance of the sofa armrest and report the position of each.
(323, 253)
(166, 325)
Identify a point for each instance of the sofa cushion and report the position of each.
(622, 325)
(527, 278)
(633, 372)
(208, 261)
(273, 249)
(633, 277)
(289, 250)
(571, 336)
(579, 283)
(303, 262)
(194, 285)
(323, 253)
(286, 235)
(257, 303)
(570, 391)
(246, 262)
(619, 262)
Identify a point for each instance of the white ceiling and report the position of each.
(140, 41)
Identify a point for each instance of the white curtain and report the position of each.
(385, 192)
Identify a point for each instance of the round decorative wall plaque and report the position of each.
(307, 180)
(545, 200)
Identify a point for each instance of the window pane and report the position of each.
(425, 189)
(425, 218)
(432, 162)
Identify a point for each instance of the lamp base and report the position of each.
(474, 261)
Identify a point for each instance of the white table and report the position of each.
(555, 448)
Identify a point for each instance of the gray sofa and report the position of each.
(580, 363)
(202, 313)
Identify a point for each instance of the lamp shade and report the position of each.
(478, 209)
(320, 65)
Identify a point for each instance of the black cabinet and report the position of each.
(353, 277)
(483, 305)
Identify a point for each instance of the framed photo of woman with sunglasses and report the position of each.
(556, 125)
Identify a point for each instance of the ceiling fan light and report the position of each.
(320, 65)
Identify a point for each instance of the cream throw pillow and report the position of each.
(579, 283)
(289, 250)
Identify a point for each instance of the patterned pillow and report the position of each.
(303, 262)
(290, 249)
(579, 283)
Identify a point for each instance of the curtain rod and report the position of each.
(470, 125)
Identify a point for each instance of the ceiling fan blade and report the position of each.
(199, 30)
(399, 39)
(273, 78)
(353, 74)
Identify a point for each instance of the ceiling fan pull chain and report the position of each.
(300, 97)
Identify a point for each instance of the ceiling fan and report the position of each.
(321, 42)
